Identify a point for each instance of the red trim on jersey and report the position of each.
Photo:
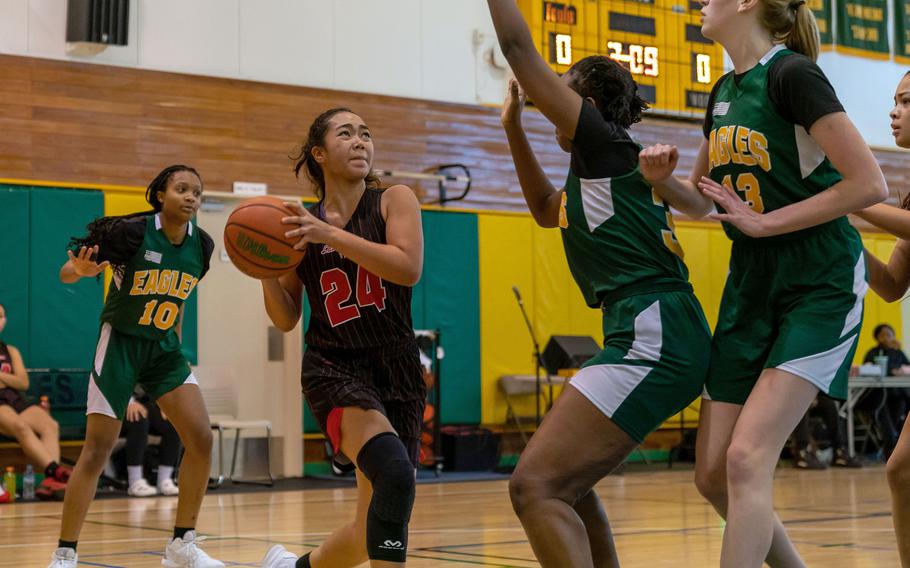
(333, 428)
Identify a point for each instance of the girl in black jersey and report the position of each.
(891, 282)
(361, 374)
(31, 425)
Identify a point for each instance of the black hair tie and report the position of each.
(796, 4)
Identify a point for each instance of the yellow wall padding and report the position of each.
(122, 202)
(877, 310)
(515, 251)
(506, 260)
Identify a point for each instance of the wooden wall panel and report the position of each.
(74, 122)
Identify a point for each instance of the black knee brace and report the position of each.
(385, 462)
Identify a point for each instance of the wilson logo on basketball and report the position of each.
(248, 243)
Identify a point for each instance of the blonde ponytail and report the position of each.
(792, 23)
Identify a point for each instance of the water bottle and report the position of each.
(28, 484)
(9, 482)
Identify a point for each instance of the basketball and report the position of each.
(254, 238)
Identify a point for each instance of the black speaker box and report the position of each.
(98, 21)
(468, 448)
(568, 352)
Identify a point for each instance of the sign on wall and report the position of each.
(862, 28)
(902, 31)
(822, 11)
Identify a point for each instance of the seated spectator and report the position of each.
(143, 416)
(890, 347)
(804, 456)
(888, 407)
(28, 423)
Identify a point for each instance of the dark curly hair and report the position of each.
(303, 158)
(100, 229)
(611, 86)
(880, 328)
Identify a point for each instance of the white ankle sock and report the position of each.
(164, 472)
(133, 473)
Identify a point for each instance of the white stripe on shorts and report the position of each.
(855, 315)
(97, 403)
(821, 368)
(608, 386)
(648, 335)
(101, 349)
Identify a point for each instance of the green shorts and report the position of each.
(796, 306)
(123, 360)
(654, 360)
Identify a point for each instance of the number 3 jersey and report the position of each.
(617, 233)
(352, 308)
(157, 277)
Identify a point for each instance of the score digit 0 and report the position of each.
(563, 49)
(703, 68)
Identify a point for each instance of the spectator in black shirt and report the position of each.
(887, 406)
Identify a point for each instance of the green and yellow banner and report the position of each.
(862, 28)
(822, 11)
(901, 31)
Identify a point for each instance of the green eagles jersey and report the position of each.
(619, 238)
(770, 162)
(617, 233)
(146, 300)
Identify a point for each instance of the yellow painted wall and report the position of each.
(514, 251)
(877, 310)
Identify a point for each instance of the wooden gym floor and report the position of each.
(838, 518)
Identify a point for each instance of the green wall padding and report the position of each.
(14, 258)
(63, 318)
(451, 304)
(67, 392)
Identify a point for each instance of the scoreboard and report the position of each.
(659, 41)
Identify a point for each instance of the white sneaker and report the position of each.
(168, 487)
(64, 558)
(141, 488)
(279, 557)
(185, 553)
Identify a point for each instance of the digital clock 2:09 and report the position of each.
(640, 59)
(644, 60)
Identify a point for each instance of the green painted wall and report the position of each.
(63, 318)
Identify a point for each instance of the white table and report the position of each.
(857, 387)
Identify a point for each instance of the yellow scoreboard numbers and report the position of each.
(659, 41)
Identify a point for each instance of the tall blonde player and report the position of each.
(785, 165)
